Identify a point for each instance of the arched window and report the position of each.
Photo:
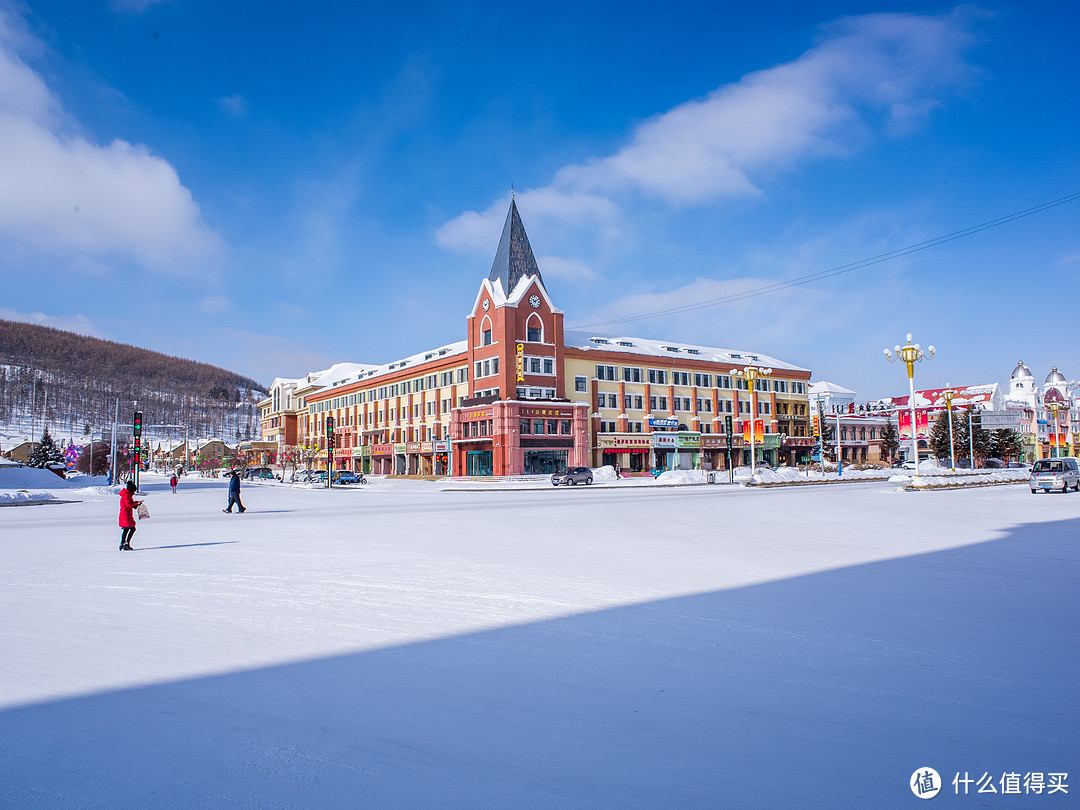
(485, 331)
(534, 329)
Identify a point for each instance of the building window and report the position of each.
(581, 384)
(630, 374)
(533, 334)
(605, 372)
(538, 427)
(565, 427)
(485, 337)
(549, 365)
(657, 376)
(680, 378)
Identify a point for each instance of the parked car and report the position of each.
(259, 473)
(301, 477)
(1055, 473)
(318, 477)
(571, 476)
(345, 477)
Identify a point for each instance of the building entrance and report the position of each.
(544, 462)
(478, 462)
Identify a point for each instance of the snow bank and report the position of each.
(787, 475)
(31, 477)
(681, 477)
(604, 475)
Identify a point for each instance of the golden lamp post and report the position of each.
(752, 374)
(911, 354)
(949, 394)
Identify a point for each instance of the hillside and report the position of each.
(82, 378)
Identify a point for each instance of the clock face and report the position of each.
(486, 304)
(534, 301)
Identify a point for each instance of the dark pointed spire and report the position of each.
(514, 258)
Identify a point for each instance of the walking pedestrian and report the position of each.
(234, 494)
(128, 504)
(172, 483)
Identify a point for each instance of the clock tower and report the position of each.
(516, 418)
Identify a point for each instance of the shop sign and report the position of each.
(713, 442)
(412, 447)
(520, 362)
(665, 440)
(559, 413)
(426, 448)
(613, 440)
(382, 449)
(686, 441)
(400, 449)
(671, 422)
(481, 414)
(441, 446)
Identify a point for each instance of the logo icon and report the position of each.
(925, 783)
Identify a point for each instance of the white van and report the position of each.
(1055, 473)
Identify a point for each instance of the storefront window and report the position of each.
(565, 427)
(538, 427)
(525, 426)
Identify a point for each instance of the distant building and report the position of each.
(520, 396)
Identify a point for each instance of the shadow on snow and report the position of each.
(828, 689)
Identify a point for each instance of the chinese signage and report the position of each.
(664, 440)
(480, 414)
(520, 362)
(563, 413)
(610, 440)
(671, 422)
(412, 447)
(441, 446)
(382, 449)
(688, 441)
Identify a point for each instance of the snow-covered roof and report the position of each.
(823, 387)
(980, 395)
(735, 358)
(360, 372)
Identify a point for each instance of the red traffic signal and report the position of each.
(136, 424)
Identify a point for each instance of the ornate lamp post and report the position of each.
(911, 354)
(949, 393)
(752, 374)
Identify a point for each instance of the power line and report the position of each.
(799, 281)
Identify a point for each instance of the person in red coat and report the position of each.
(128, 504)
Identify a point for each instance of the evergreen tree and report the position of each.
(46, 452)
(890, 440)
(1004, 443)
(939, 437)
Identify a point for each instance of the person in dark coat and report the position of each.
(173, 482)
(234, 494)
(127, 517)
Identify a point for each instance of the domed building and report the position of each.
(1022, 384)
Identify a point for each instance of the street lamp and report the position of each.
(949, 393)
(752, 374)
(911, 354)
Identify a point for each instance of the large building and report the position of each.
(520, 396)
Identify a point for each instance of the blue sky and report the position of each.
(274, 187)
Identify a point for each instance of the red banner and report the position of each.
(759, 430)
(922, 422)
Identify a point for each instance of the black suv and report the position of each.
(571, 476)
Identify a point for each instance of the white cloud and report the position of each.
(79, 324)
(235, 105)
(65, 194)
(569, 269)
(880, 71)
(478, 232)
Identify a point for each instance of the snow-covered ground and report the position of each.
(400, 645)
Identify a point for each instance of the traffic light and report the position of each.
(136, 425)
(727, 424)
(329, 429)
